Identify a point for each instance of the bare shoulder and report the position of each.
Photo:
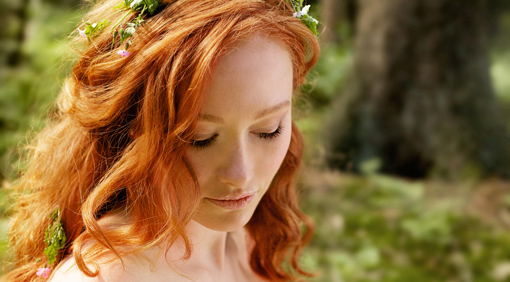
(133, 268)
(110, 267)
(67, 271)
(144, 266)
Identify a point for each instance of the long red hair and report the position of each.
(123, 126)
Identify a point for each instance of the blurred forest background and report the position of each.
(406, 120)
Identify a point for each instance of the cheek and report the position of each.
(199, 162)
(271, 158)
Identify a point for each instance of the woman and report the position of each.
(173, 155)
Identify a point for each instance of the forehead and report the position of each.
(254, 74)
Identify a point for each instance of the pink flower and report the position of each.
(82, 33)
(45, 272)
(123, 53)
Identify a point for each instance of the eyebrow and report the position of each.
(259, 115)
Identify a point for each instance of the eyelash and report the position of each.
(207, 142)
(203, 143)
(271, 135)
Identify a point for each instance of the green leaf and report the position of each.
(295, 6)
(92, 30)
(138, 22)
(311, 23)
(152, 5)
(120, 6)
(136, 4)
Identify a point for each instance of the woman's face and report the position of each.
(244, 131)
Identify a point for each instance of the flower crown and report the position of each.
(150, 6)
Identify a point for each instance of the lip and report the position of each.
(233, 202)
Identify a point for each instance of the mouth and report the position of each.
(234, 202)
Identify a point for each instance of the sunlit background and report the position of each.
(406, 119)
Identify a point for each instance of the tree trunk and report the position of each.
(420, 100)
(334, 12)
(329, 17)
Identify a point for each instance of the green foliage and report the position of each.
(379, 228)
(29, 89)
(92, 30)
(132, 6)
(374, 228)
(149, 5)
(27, 92)
(311, 23)
(330, 75)
(499, 72)
(54, 238)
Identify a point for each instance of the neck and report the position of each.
(209, 246)
(210, 250)
(214, 254)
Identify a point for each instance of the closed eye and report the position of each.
(273, 134)
(203, 143)
(199, 144)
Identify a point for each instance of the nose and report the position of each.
(237, 169)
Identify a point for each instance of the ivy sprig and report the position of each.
(54, 238)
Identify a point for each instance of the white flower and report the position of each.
(305, 9)
(303, 12)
